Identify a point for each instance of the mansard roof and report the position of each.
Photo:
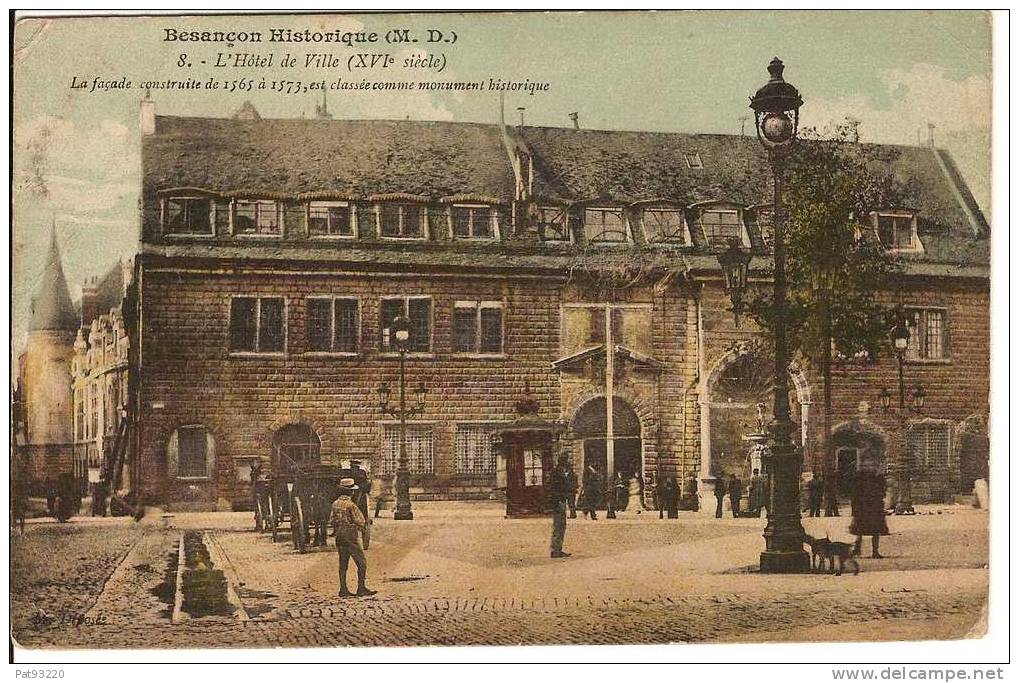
(51, 306)
(295, 156)
(299, 158)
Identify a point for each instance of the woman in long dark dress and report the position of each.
(868, 510)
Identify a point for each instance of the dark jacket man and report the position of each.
(721, 488)
(735, 493)
(559, 492)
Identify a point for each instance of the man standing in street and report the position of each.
(721, 488)
(591, 497)
(735, 494)
(349, 526)
(572, 486)
(559, 493)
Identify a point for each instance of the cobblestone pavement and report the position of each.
(486, 580)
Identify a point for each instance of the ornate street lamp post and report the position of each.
(400, 335)
(776, 108)
(735, 263)
(903, 467)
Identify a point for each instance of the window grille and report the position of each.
(930, 445)
(419, 448)
(474, 449)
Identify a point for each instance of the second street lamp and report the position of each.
(398, 335)
(735, 263)
(776, 108)
(899, 335)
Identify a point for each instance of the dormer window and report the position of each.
(722, 224)
(665, 225)
(257, 217)
(897, 230)
(473, 221)
(605, 226)
(401, 221)
(762, 219)
(189, 216)
(330, 219)
(693, 160)
(553, 223)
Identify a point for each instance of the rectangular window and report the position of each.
(188, 216)
(665, 225)
(192, 450)
(533, 472)
(419, 448)
(401, 221)
(930, 445)
(472, 221)
(605, 226)
(553, 223)
(928, 334)
(257, 324)
(477, 327)
(418, 311)
(333, 325)
(257, 217)
(330, 219)
(584, 327)
(763, 220)
(474, 449)
(895, 232)
(720, 225)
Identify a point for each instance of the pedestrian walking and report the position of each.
(814, 495)
(735, 493)
(670, 498)
(757, 493)
(572, 486)
(868, 510)
(721, 488)
(363, 490)
(559, 493)
(591, 495)
(636, 502)
(830, 489)
(350, 527)
(620, 492)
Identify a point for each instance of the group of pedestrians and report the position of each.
(757, 495)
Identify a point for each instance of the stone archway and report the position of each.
(857, 445)
(734, 392)
(588, 430)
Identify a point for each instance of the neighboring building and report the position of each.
(100, 371)
(275, 254)
(44, 380)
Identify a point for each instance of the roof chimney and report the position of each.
(521, 110)
(575, 117)
(322, 110)
(930, 134)
(147, 114)
(89, 302)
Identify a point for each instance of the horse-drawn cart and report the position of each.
(302, 499)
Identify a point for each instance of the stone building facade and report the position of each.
(275, 254)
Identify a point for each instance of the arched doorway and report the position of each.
(294, 446)
(739, 394)
(856, 448)
(589, 428)
(974, 449)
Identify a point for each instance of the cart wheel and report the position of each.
(273, 522)
(297, 524)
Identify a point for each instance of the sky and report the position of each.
(77, 153)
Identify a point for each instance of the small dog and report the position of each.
(819, 548)
(824, 550)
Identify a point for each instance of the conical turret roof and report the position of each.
(51, 307)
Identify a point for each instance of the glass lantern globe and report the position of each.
(777, 128)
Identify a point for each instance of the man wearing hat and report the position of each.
(559, 492)
(350, 525)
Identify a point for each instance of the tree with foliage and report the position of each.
(835, 264)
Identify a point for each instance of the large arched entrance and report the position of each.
(589, 428)
(857, 447)
(739, 397)
(294, 446)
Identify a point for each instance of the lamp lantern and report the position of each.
(735, 263)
